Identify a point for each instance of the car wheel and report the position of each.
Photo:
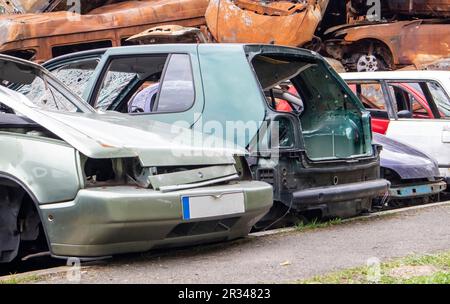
(363, 57)
(369, 63)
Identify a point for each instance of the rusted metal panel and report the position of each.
(420, 7)
(27, 6)
(115, 21)
(38, 6)
(424, 42)
(250, 21)
(169, 34)
(408, 41)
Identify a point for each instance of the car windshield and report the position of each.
(43, 90)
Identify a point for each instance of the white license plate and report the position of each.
(197, 207)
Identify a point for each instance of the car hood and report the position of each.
(115, 135)
(405, 160)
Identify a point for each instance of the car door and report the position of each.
(431, 135)
(75, 71)
(158, 85)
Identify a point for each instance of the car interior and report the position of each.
(330, 120)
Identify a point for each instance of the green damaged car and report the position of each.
(91, 184)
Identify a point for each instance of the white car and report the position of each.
(409, 106)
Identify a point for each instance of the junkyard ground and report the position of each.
(293, 256)
(425, 269)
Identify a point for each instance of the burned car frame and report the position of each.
(327, 169)
(40, 37)
(282, 22)
(368, 47)
(94, 184)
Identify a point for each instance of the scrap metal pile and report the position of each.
(397, 34)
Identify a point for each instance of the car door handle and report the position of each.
(446, 134)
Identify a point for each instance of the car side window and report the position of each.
(372, 96)
(126, 81)
(441, 99)
(410, 100)
(176, 92)
(76, 74)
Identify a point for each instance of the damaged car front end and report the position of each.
(97, 184)
(414, 176)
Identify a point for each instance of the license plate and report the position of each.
(197, 207)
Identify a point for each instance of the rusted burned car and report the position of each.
(388, 45)
(11, 7)
(39, 37)
(324, 163)
(93, 184)
(291, 23)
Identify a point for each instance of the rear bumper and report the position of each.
(341, 193)
(112, 220)
(411, 191)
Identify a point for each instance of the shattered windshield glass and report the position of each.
(42, 95)
(43, 90)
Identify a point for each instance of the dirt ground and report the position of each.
(283, 257)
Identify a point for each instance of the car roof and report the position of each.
(398, 75)
(192, 47)
(88, 53)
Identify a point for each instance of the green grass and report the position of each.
(20, 280)
(400, 271)
(316, 224)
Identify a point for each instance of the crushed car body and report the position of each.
(277, 22)
(102, 183)
(325, 163)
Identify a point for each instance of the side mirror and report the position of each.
(405, 114)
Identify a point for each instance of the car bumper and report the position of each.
(411, 191)
(341, 193)
(112, 220)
